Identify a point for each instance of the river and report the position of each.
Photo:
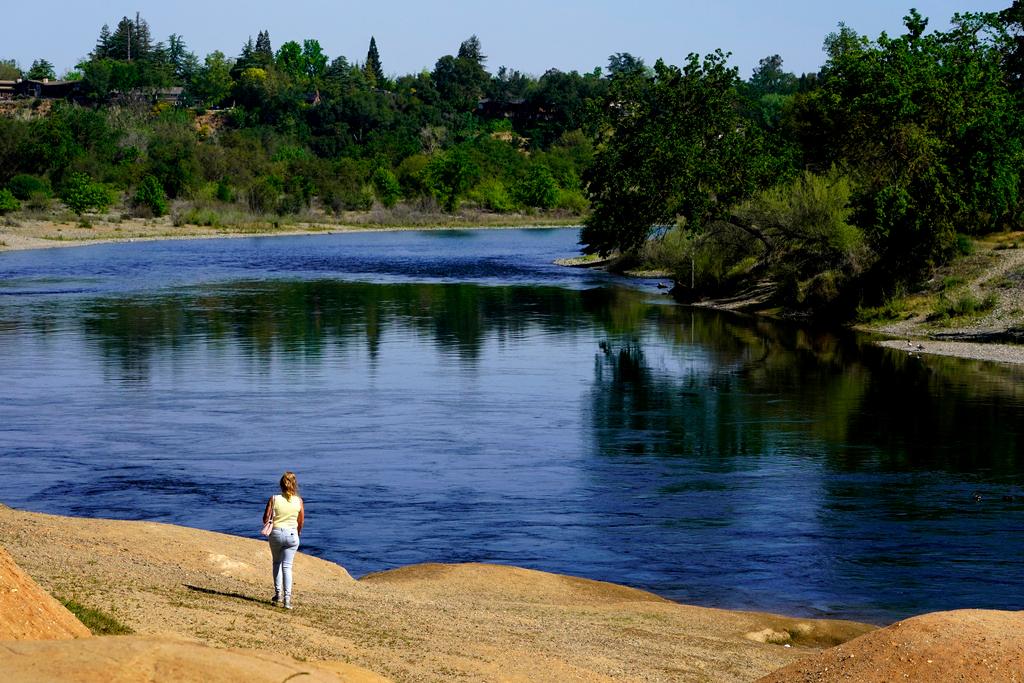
(453, 396)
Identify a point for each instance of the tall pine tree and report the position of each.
(374, 70)
(130, 41)
(102, 50)
(263, 54)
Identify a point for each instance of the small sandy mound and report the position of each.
(27, 612)
(509, 583)
(131, 659)
(966, 645)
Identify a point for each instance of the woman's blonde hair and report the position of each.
(289, 485)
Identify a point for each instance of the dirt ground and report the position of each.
(978, 646)
(423, 623)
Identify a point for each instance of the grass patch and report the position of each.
(1005, 240)
(952, 282)
(966, 305)
(892, 309)
(100, 623)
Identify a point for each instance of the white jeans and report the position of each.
(283, 544)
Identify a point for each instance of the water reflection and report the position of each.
(300, 319)
(600, 431)
(815, 459)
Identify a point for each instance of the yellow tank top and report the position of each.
(286, 512)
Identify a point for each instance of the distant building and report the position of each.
(517, 110)
(46, 89)
(73, 90)
(170, 95)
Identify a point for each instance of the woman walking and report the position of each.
(287, 513)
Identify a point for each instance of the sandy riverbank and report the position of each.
(197, 602)
(47, 234)
(422, 623)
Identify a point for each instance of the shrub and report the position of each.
(24, 186)
(345, 197)
(449, 176)
(537, 188)
(821, 290)
(298, 193)
(411, 175)
(572, 201)
(964, 245)
(669, 252)
(386, 185)
(81, 194)
(808, 223)
(150, 194)
(224, 192)
(492, 195)
(198, 215)
(265, 195)
(39, 201)
(966, 305)
(8, 202)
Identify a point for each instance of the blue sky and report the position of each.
(529, 35)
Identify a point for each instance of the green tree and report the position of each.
(565, 101)
(289, 60)
(537, 188)
(9, 70)
(172, 155)
(183, 63)
(314, 63)
(1012, 19)
(930, 131)
(675, 148)
(625, 64)
(769, 79)
(23, 186)
(130, 41)
(70, 138)
(40, 70)
(212, 82)
(509, 85)
(461, 81)
(449, 176)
